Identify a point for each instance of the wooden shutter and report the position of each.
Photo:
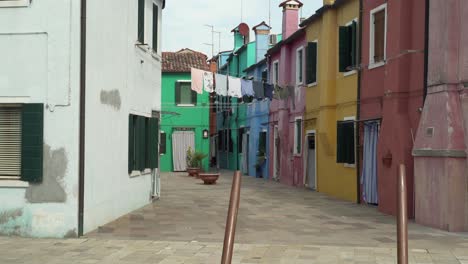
(10, 142)
(32, 142)
(141, 21)
(177, 92)
(153, 143)
(140, 143)
(379, 35)
(155, 27)
(353, 29)
(344, 49)
(311, 64)
(131, 144)
(162, 147)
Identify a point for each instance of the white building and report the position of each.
(78, 123)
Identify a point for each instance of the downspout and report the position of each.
(358, 106)
(426, 51)
(82, 118)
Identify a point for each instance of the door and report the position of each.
(181, 141)
(276, 161)
(311, 162)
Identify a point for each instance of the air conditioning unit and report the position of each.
(273, 39)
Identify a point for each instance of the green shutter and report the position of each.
(141, 21)
(155, 27)
(140, 151)
(162, 149)
(131, 144)
(153, 143)
(353, 29)
(344, 49)
(194, 97)
(32, 142)
(177, 92)
(311, 62)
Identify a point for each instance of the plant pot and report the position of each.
(209, 178)
(193, 172)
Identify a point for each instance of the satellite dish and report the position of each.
(244, 29)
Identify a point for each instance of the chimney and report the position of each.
(241, 35)
(328, 2)
(262, 33)
(290, 17)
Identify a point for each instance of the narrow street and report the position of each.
(276, 224)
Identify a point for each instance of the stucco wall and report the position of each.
(39, 47)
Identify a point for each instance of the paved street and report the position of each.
(276, 224)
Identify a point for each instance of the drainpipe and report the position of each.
(82, 118)
(358, 106)
(426, 51)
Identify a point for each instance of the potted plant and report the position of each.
(261, 158)
(194, 162)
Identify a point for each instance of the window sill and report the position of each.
(376, 65)
(135, 174)
(185, 105)
(141, 46)
(156, 56)
(14, 3)
(345, 74)
(13, 184)
(349, 165)
(312, 84)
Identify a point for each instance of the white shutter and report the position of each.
(10, 142)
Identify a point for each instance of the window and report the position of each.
(21, 142)
(378, 36)
(162, 146)
(299, 66)
(264, 75)
(348, 47)
(297, 135)
(230, 142)
(142, 143)
(141, 21)
(155, 27)
(275, 72)
(14, 3)
(311, 64)
(345, 134)
(184, 95)
(262, 139)
(240, 138)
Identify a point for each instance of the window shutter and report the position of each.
(32, 142)
(311, 62)
(162, 147)
(353, 29)
(153, 142)
(141, 21)
(10, 142)
(194, 97)
(177, 92)
(298, 136)
(155, 27)
(345, 149)
(131, 144)
(231, 144)
(140, 141)
(344, 49)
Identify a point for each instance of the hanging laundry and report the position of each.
(247, 88)
(208, 81)
(268, 90)
(197, 80)
(234, 88)
(258, 89)
(221, 84)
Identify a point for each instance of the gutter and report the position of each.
(82, 118)
(358, 105)
(426, 51)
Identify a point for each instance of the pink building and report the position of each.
(286, 62)
(440, 149)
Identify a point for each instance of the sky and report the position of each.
(184, 21)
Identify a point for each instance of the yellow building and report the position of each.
(332, 54)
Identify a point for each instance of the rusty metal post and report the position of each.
(231, 221)
(402, 221)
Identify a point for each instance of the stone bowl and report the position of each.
(208, 178)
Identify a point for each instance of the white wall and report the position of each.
(129, 77)
(39, 63)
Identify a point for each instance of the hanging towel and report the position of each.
(197, 80)
(208, 81)
(268, 90)
(221, 84)
(247, 87)
(258, 89)
(234, 87)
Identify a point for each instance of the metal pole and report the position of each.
(402, 221)
(231, 221)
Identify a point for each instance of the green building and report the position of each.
(185, 114)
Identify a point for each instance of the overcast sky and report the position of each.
(184, 20)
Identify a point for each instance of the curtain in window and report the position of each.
(369, 166)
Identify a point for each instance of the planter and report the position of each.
(209, 178)
(193, 172)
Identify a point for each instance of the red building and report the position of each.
(391, 95)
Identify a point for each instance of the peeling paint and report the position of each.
(51, 189)
(111, 98)
(10, 215)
